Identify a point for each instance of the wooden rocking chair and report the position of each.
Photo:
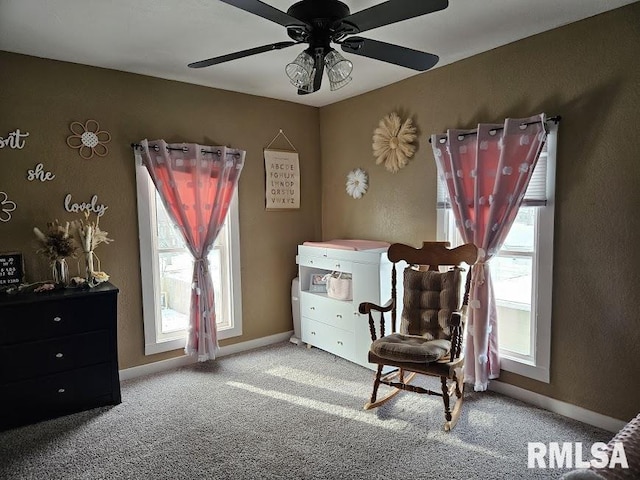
(431, 331)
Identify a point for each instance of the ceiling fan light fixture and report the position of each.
(337, 85)
(338, 67)
(300, 71)
(308, 87)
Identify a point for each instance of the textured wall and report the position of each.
(589, 73)
(43, 97)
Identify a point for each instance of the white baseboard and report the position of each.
(558, 406)
(171, 363)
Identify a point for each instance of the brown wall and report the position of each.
(589, 73)
(43, 97)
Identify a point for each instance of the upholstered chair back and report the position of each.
(429, 299)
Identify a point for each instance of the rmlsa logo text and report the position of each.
(570, 455)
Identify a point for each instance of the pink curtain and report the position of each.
(487, 171)
(196, 184)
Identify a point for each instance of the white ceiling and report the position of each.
(160, 37)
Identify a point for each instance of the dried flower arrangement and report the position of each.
(89, 236)
(57, 242)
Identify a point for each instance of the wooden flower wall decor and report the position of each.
(88, 139)
(392, 142)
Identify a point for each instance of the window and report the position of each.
(167, 268)
(522, 271)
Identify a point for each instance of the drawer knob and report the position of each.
(57, 319)
(311, 262)
(337, 265)
(61, 390)
(340, 343)
(313, 333)
(312, 308)
(338, 315)
(59, 355)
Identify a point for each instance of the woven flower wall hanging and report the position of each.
(357, 183)
(392, 142)
(88, 139)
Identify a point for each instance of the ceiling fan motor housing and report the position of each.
(322, 15)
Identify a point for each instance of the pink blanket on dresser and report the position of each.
(349, 244)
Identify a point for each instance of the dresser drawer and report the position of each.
(333, 312)
(46, 319)
(66, 390)
(32, 359)
(332, 339)
(326, 263)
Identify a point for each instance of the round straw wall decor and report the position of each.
(392, 142)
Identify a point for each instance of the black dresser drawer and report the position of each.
(33, 359)
(57, 394)
(23, 323)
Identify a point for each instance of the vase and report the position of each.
(88, 262)
(60, 271)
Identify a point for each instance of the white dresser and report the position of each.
(335, 325)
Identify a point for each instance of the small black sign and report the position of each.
(11, 270)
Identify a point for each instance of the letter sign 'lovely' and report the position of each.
(91, 207)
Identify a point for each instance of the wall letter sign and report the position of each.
(90, 207)
(14, 139)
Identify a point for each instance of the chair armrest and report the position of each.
(367, 308)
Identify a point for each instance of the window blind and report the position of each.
(535, 196)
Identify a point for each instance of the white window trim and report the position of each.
(150, 274)
(539, 368)
(542, 291)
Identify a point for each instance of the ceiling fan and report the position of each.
(320, 23)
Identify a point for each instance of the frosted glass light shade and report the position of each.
(338, 67)
(338, 85)
(300, 71)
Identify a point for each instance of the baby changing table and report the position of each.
(335, 325)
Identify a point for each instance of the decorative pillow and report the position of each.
(429, 299)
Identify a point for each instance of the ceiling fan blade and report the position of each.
(393, 11)
(387, 52)
(266, 11)
(241, 54)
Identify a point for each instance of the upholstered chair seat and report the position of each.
(398, 347)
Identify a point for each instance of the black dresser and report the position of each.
(58, 353)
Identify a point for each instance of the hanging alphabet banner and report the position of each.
(282, 172)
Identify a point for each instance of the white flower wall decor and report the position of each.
(392, 142)
(6, 207)
(357, 183)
